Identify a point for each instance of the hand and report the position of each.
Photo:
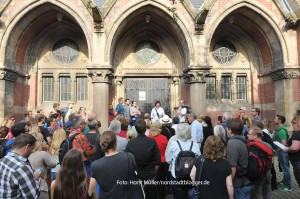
(285, 150)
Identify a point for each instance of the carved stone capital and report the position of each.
(8, 75)
(101, 76)
(285, 74)
(119, 80)
(195, 76)
(175, 80)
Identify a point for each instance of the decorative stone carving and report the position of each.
(175, 80)
(8, 75)
(285, 74)
(119, 80)
(200, 21)
(195, 76)
(174, 12)
(101, 76)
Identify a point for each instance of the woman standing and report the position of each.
(157, 112)
(215, 170)
(208, 130)
(294, 149)
(72, 181)
(134, 112)
(9, 122)
(82, 112)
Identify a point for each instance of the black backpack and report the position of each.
(184, 163)
(4, 148)
(65, 146)
(259, 160)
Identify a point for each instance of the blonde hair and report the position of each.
(296, 120)
(130, 134)
(58, 137)
(39, 140)
(34, 129)
(155, 129)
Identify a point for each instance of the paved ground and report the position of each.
(276, 194)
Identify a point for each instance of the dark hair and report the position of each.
(259, 124)
(22, 140)
(124, 124)
(157, 102)
(281, 118)
(40, 117)
(220, 118)
(236, 126)
(132, 102)
(207, 120)
(39, 110)
(71, 177)
(126, 100)
(108, 140)
(26, 113)
(257, 110)
(55, 105)
(54, 115)
(140, 126)
(3, 131)
(175, 119)
(93, 124)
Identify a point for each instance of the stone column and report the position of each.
(101, 79)
(197, 79)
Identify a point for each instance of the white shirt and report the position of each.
(154, 116)
(181, 113)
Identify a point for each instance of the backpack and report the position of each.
(4, 148)
(259, 160)
(65, 146)
(184, 163)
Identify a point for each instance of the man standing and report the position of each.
(17, 179)
(127, 109)
(256, 114)
(182, 111)
(157, 112)
(69, 110)
(237, 156)
(281, 136)
(242, 113)
(196, 127)
(120, 106)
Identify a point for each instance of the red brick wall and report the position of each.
(266, 92)
(18, 94)
(185, 93)
(268, 114)
(296, 89)
(298, 43)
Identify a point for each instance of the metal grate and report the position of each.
(65, 88)
(147, 52)
(226, 87)
(65, 51)
(82, 88)
(224, 52)
(211, 88)
(48, 88)
(241, 87)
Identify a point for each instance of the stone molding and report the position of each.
(101, 76)
(8, 75)
(195, 76)
(285, 74)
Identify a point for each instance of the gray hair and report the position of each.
(115, 126)
(219, 131)
(184, 132)
(77, 120)
(93, 124)
(227, 116)
(91, 116)
(193, 115)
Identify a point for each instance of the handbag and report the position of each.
(134, 185)
(193, 192)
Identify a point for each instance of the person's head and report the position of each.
(40, 118)
(54, 116)
(58, 137)
(91, 116)
(242, 110)
(184, 132)
(155, 129)
(39, 142)
(207, 121)
(146, 116)
(127, 101)
(279, 119)
(265, 122)
(133, 103)
(119, 117)
(220, 119)
(148, 123)
(70, 105)
(157, 104)
(130, 134)
(124, 124)
(121, 100)
(72, 116)
(181, 103)
(18, 129)
(255, 112)
(93, 125)
(234, 127)
(26, 114)
(35, 129)
(71, 178)
(56, 106)
(110, 107)
(255, 134)
(214, 148)
(227, 116)
(39, 111)
(175, 119)
(3, 132)
(33, 121)
(108, 141)
(191, 117)
(140, 126)
(79, 123)
(9, 121)
(200, 118)
(219, 131)
(296, 123)
(24, 144)
(165, 120)
(115, 126)
(259, 124)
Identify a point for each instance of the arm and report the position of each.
(233, 171)
(229, 186)
(193, 173)
(295, 147)
(138, 111)
(93, 189)
(49, 161)
(52, 188)
(131, 113)
(153, 114)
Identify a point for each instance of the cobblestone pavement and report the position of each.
(276, 194)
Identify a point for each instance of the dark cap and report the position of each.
(18, 128)
(281, 118)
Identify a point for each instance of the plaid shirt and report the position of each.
(81, 142)
(16, 179)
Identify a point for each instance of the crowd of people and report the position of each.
(65, 155)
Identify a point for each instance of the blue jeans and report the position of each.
(284, 163)
(87, 165)
(243, 192)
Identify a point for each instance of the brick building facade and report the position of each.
(218, 55)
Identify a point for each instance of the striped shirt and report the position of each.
(16, 179)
